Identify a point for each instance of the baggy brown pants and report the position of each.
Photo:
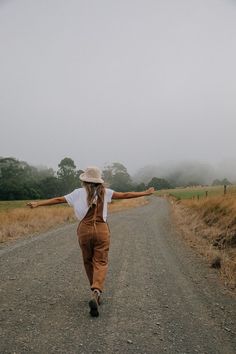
(94, 240)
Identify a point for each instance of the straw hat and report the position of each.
(92, 174)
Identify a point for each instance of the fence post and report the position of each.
(225, 188)
(206, 194)
(198, 197)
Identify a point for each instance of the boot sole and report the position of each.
(93, 308)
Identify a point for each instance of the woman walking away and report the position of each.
(90, 206)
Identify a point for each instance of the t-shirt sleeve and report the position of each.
(109, 193)
(70, 198)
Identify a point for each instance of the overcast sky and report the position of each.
(135, 81)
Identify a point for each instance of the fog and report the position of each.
(187, 172)
(139, 82)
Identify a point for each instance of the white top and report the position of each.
(78, 200)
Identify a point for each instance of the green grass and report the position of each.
(194, 192)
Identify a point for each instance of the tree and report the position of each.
(66, 167)
(216, 182)
(107, 174)
(118, 177)
(159, 183)
(140, 187)
(19, 180)
(11, 168)
(226, 182)
(67, 175)
(223, 182)
(49, 187)
(15, 178)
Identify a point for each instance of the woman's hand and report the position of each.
(150, 190)
(32, 204)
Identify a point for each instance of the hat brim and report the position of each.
(84, 178)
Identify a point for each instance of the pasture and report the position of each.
(197, 192)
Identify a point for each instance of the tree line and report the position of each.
(21, 181)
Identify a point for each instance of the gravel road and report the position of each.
(159, 298)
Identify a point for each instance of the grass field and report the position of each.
(17, 220)
(209, 224)
(197, 192)
(8, 205)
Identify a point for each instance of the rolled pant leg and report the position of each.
(100, 256)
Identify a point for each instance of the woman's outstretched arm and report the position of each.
(127, 195)
(57, 200)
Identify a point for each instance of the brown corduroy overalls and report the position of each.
(94, 239)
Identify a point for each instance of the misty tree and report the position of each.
(68, 176)
(118, 177)
(78, 173)
(226, 182)
(11, 168)
(41, 173)
(223, 182)
(159, 183)
(17, 180)
(178, 174)
(140, 187)
(107, 174)
(49, 187)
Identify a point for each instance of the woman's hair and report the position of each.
(94, 189)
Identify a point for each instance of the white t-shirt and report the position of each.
(78, 200)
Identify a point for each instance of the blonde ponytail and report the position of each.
(93, 190)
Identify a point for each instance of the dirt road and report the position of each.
(160, 297)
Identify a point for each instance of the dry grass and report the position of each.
(22, 221)
(220, 214)
(210, 226)
(127, 203)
